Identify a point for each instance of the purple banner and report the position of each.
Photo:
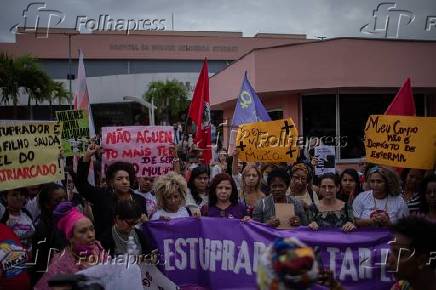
(223, 253)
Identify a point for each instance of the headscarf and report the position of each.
(67, 217)
(287, 264)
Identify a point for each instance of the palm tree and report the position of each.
(170, 98)
(8, 81)
(23, 73)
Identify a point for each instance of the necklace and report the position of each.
(118, 236)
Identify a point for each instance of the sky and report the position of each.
(407, 19)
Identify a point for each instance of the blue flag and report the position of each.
(248, 109)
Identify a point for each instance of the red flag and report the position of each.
(199, 112)
(403, 103)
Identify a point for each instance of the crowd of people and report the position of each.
(79, 219)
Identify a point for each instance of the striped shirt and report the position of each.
(414, 203)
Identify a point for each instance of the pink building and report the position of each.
(330, 87)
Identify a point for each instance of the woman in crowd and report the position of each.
(82, 249)
(264, 212)
(171, 194)
(330, 212)
(17, 217)
(237, 169)
(146, 191)
(221, 166)
(300, 181)
(127, 215)
(349, 185)
(47, 236)
(412, 179)
(223, 199)
(428, 197)
(411, 258)
(382, 204)
(265, 169)
(251, 192)
(120, 177)
(197, 194)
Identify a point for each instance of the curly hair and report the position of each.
(245, 172)
(392, 180)
(217, 180)
(168, 183)
(112, 170)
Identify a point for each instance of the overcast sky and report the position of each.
(327, 18)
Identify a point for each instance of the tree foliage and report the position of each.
(170, 98)
(23, 74)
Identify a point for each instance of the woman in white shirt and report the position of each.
(170, 192)
(197, 195)
(382, 205)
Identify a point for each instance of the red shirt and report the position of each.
(13, 259)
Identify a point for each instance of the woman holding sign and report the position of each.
(331, 212)
(265, 210)
(382, 205)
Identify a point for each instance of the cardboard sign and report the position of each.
(29, 153)
(146, 147)
(273, 141)
(399, 141)
(284, 212)
(75, 131)
(326, 156)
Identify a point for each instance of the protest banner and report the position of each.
(29, 153)
(146, 147)
(75, 131)
(273, 141)
(223, 253)
(325, 155)
(399, 141)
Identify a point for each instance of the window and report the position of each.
(275, 114)
(320, 117)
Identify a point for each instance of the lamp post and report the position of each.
(151, 107)
(70, 75)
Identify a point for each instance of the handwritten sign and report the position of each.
(273, 141)
(29, 153)
(326, 159)
(146, 147)
(405, 142)
(284, 212)
(75, 131)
